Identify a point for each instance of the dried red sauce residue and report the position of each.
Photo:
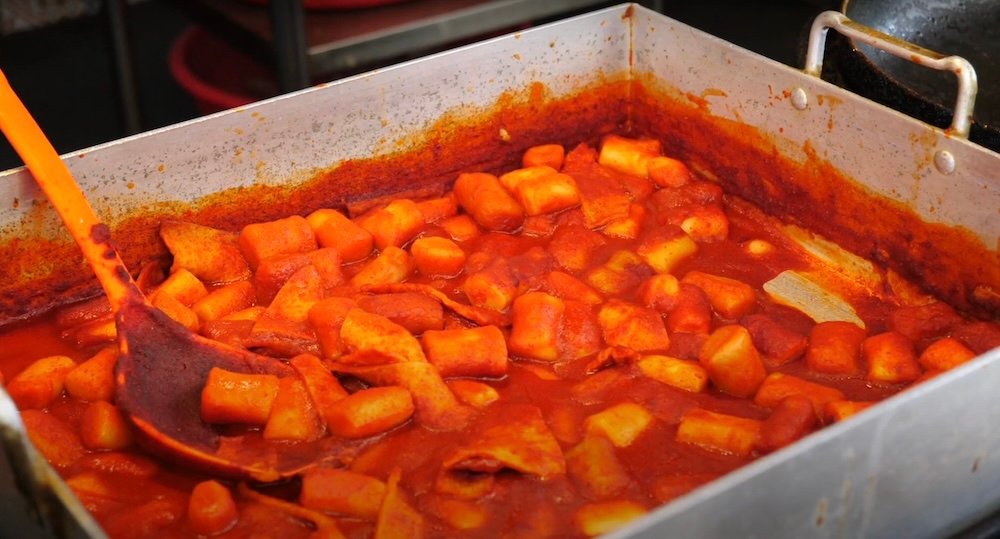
(748, 164)
(455, 143)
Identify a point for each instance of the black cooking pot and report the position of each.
(967, 28)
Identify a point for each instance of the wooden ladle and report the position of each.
(162, 366)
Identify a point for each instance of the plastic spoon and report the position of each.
(162, 366)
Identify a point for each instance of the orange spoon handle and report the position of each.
(64, 193)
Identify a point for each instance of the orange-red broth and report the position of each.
(135, 495)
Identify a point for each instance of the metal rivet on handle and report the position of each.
(799, 99)
(944, 161)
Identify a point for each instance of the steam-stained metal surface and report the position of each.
(924, 463)
(288, 139)
(891, 154)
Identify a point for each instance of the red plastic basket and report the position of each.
(216, 75)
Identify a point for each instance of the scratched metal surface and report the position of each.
(286, 140)
(890, 153)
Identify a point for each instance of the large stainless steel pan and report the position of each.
(924, 463)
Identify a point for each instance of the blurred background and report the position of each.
(92, 71)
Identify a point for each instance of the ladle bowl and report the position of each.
(162, 366)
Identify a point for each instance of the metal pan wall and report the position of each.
(288, 139)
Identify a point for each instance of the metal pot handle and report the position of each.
(963, 70)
